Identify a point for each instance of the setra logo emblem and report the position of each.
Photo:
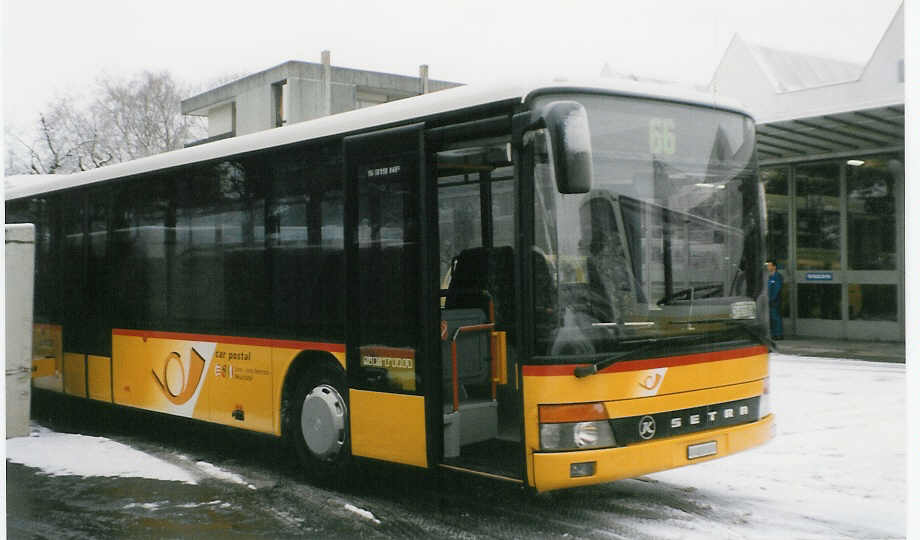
(647, 427)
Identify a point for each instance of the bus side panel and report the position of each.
(376, 416)
(239, 387)
(163, 375)
(75, 374)
(99, 377)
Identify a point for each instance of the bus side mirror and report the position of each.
(567, 125)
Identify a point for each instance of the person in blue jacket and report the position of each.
(774, 290)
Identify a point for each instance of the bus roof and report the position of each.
(391, 113)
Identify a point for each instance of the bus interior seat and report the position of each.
(479, 274)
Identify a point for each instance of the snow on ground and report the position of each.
(62, 454)
(216, 472)
(836, 468)
(363, 513)
(68, 454)
(837, 462)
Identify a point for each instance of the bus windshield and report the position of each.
(665, 248)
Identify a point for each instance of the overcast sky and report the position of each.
(52, 47)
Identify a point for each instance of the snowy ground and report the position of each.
(835, 470)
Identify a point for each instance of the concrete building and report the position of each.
(831, 152)
(297, 91)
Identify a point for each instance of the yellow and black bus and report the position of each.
(555, 285)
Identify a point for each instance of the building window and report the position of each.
(873, 302)
(819, 301)
(871, 229)
(817, 207)
(776, 187)
(279, 103)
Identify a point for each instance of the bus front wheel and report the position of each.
(319, 423)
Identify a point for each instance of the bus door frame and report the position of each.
(387, 424)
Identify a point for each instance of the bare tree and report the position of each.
(123, 119)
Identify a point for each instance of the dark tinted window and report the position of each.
(40, 211)
(140, 244)
(817, 202)
(97, 292)
(387, 237)
(871, 230)
(306, 240)
(819, 302)
(72, 270)
(218, 274)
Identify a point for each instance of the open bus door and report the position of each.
(480, 405)
(391, 317)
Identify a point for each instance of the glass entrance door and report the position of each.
(818, 278)
(834, 229)
(874, 207)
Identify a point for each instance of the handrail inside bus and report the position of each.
(453, 355)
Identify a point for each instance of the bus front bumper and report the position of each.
(554, 470)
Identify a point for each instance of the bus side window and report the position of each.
(306, 241)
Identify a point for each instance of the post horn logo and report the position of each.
(651, 381)
(179, 378)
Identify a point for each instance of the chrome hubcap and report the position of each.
(322, 421)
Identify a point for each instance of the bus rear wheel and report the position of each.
(318, 423)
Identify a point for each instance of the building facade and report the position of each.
(296, 91)
(831, 154)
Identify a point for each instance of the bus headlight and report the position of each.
(576, 435)
(575, 426)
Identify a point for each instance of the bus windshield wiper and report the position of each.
(591, 369)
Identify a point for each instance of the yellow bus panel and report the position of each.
(161, 374)
(75, 374)
(235, 381)
(642, 386)
(100, 377)
(684, 400)
(240, 386)
(390, 427)
(552, 470)
(48, 357)
(44, 367)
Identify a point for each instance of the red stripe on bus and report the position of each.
(234, 340)
(651, 363)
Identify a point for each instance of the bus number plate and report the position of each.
(695, 451)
